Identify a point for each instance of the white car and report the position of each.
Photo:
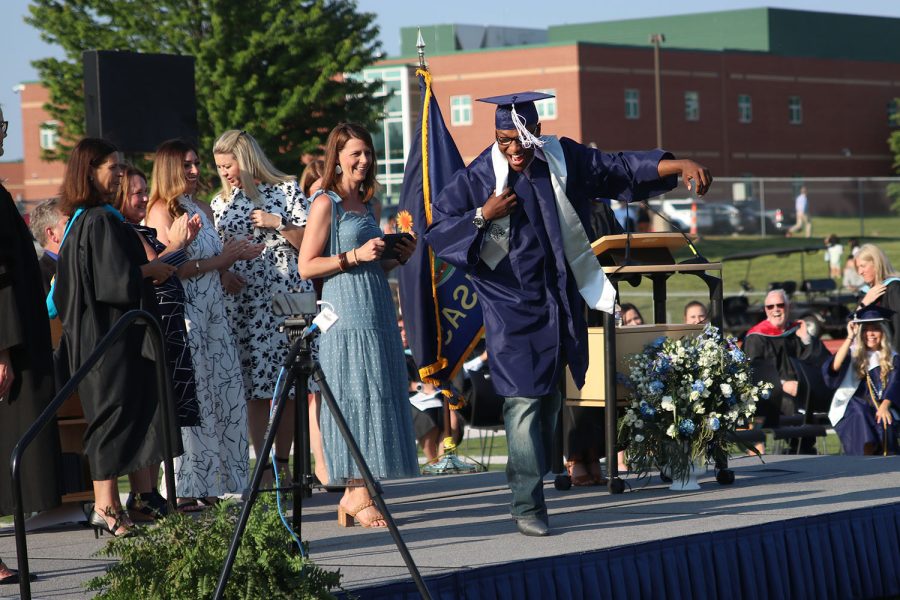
(678, 210)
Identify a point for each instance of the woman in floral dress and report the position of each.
(260, 203)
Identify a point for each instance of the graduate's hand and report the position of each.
(6, 374)
(874, 293)
(884, 413)
(695, 176)
(852, 328)
(499, 206)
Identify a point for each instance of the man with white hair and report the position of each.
(47, 226)
(775, 341)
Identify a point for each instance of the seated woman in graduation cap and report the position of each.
(864, 373)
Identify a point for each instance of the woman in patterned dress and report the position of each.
(260, 203)
(144, 501)
(216, 458)
(361, 355)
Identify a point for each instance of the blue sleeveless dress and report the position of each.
(363, 361)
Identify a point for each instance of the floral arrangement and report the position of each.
(685, 396)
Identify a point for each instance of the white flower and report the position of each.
(695, 395)
(726, 390)
(667, 403)
(639, 438)
(671, 431)
(699, 408)
(638, 424)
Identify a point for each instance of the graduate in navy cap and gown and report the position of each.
(516, 220)
(864, 375)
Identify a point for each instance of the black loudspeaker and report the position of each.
(138, 100)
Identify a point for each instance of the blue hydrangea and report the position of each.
(662, 365)
(737, 355)
(686, 427)
(647, 411)
(714, 423)
(656, 386)
(698, 386)
(764, 394)
(658, 342)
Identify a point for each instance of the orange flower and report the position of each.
(404, 221)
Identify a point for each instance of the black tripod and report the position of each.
(299, 366)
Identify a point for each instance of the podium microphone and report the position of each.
(697, 258)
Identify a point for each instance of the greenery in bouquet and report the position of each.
(684, 397)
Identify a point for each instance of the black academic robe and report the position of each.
(778, 350)
(25, 332)
(891, 300)
(48, 271)
(533, 313)
(98, 280)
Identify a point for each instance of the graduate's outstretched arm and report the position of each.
(695, 176)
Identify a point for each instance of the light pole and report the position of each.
(656, 39)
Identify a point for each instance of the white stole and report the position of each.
(592, 283)
(848, 387)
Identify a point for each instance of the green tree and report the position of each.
(272, 67)
(893, 189)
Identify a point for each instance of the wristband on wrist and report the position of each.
(197, 266)
(355, 258)
(343, 264)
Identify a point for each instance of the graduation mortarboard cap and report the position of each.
(872, 313)
(521, 102)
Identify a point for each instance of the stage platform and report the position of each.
(794, 527)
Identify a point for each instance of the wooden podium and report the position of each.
(630, 257)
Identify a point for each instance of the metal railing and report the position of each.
(163, 383)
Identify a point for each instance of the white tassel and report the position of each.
(526, 137)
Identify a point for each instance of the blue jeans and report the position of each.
(530, 426)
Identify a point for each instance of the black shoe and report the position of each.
(120, 521)
(147, 506)
(14, 578)
(533, 526)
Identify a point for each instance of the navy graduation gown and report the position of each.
(857, 429)
(534, 316)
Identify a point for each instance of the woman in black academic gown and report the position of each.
(26, 368)
(102, 274)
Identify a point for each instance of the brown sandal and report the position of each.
(581, 478)
(346, 517)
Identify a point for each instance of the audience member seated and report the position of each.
(695, 313)
(631, 315)
(864, 377)
(773, 342)
(47, 225)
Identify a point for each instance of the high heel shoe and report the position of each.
(346, 517)
(120, 521)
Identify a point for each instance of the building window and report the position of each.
(546, 108)
(745, 109)
(692, 106)
(795, 110)
(49, 133)
(632, 104)
(460, 110)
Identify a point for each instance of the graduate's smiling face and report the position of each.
(513, 151)
(872, 334)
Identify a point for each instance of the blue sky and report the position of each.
(20, 43)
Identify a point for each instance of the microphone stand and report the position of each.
(697, 258)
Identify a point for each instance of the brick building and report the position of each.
(759, 92)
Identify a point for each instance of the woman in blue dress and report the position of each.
(361, 355)
(864, 375)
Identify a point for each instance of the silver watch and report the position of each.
(479, 220)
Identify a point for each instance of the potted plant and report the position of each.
(685, 397)
(181, 556)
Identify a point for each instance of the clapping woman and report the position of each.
(260, 203)
(216, 459)
(882, 284)
(99, 279)
(361, 355)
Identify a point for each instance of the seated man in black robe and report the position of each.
(772, 343)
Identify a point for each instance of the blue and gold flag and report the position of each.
(441, 314)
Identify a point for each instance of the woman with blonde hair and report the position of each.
(260, 203)
(362, 354)
(882, 284)
(216, 458)
(866, 385)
